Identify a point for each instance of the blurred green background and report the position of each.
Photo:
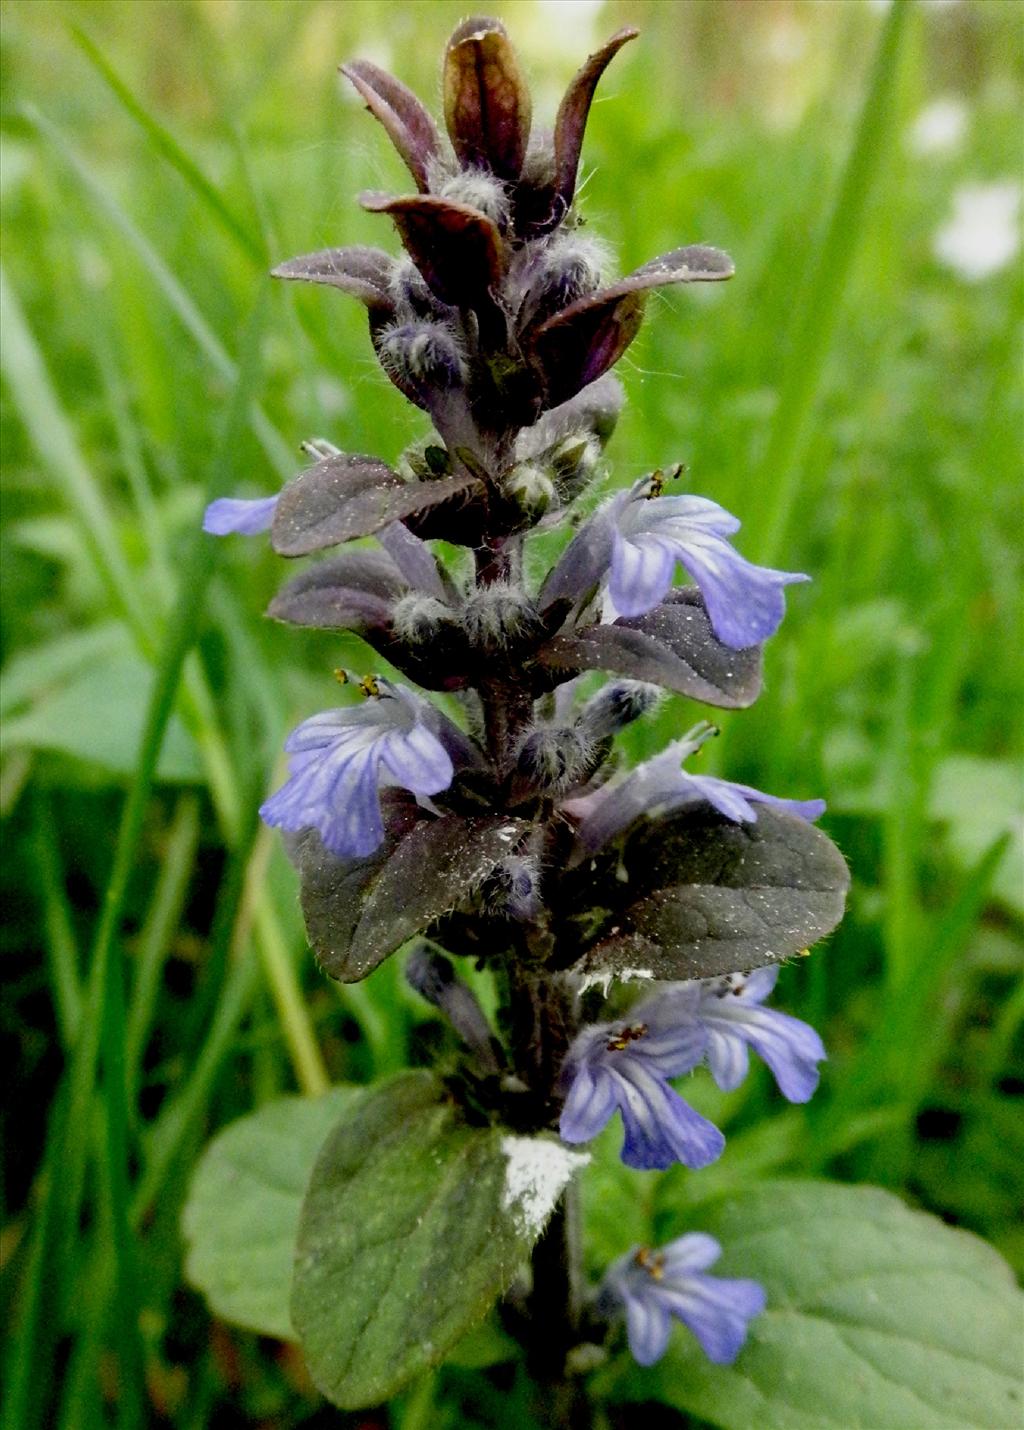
(853, 395)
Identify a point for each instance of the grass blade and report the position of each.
(161, 921)
(166, 145)
(278, 452)
(818, 310)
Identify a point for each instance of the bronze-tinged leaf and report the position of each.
(360, 911)
(457, 249)
(571, 122)
(332, 890)
(716, 897)
(362, 272)
(408, 124)
(672, 645)
(486, 99)
(344, 497)
(353, 591)
(694, 263)
(584, 341)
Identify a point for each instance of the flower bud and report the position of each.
(433, 977)
(566, 269)
(530, 488)
(410, 292)
(481, 191)
(424, 460)
(575, 461)
(512, 889)
(616, 705)
(422, 355)
(418, 619)
(553, 758)
(499, 617)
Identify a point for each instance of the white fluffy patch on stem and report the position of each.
(537, 1173)
(604, 977)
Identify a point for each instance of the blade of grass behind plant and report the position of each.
(169, 148)
(818, 307)
(278, 451)
(161, 921)
(36, 401)
(61, 944)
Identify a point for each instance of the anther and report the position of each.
(630, 1034)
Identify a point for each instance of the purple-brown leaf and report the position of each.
(572, 121)
(408, 124)
(672, 645)
(582, 341)
(344, 497)
(362, 272)
(456, 248)
(486, 99)
(353, 591)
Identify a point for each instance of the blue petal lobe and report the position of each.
(231, 514)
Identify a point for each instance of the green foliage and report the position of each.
(242, 1215)
(413, 1225)
(877, 1316)
(143, 203)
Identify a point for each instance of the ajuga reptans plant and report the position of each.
(500, 829)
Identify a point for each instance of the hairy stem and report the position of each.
(542, 1024)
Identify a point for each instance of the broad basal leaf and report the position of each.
(877, 1316)
(702, 896)
(98, 715)
(242, 1214)
(672, 645)
(414, 1224)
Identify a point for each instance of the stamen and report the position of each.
(370, 688)
(660, 478)
(652, 1262)
(631, 1034)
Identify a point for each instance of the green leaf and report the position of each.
(98, 716)
(413, 1225)
(877, 1316)
(978, 799)
(242, 1214)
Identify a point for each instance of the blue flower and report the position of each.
(729, 1009)
(745, 603)
(626, 1065)
(634, 543)
(231, 514)
(650, 1287)
(340, 760)
(660, 785)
